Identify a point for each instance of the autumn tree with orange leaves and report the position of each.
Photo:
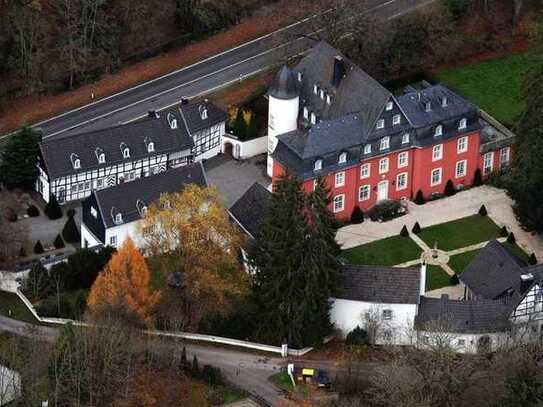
(122, 288)
(191, 242)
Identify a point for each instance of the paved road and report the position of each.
(205, 76)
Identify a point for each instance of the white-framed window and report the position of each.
(318, 165)
(504, 156)
(342, 158)
(340, 179)
(322, 94)
(387, 314)
(151, 147)
(403, 159)
(365, 170)
(313, 118)
(94, 212)
(81, 186)
(73, 188)
(87, 185)
(401, 181)
(439, 131)
(383, 165)
(367, 149)
(99, 183)
(118, 218)
(380, 124)
(126, 152)
(405, 138)
(364, 192)
(462, 124)
(300, 76)
(425, 339)
(101, 158)
(461, 168)
(435, 178)
(339, 203)
(328, 100)
(315, 89)
(462, 145)
(444, 101)
(306, 113)
(315, 182)
(389, 106)
(396, 119)
(385, 143)
(113, 241)
(437, 152)
(488, 162)
(461, 342)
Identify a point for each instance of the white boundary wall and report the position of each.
(241, 150)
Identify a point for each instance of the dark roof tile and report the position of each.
(250, 208)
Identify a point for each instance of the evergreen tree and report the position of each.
(239, 127)
(511, 238)
(504, 232)
(183, 362)
(533, 260)
(195, 367)
(450, 190)
(357, 216)
(70, 233)
(18, 159)
(477, 178)
(416, 228)
(59, 243)
(33, 211)
(483, 211)
(404, 232)
(252, 128)
(38, 248)
(419, 198)
(53, 209)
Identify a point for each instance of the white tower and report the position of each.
(283, 106)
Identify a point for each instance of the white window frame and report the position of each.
(396, 119)
(328, 100)
(113, 240)
(428, 107)
(405, 138)
(436, 171)
(306, 113)
(462, 145)
(463, 124)
(151, 147)
(437, 152)
(365, 170)
(313, 118)
(101, 158)
(364, 193)
(322, 94)
(380, 124)
(315, 89)
(385, 143)
(300, 76)
(389, 106)
(438, 131)
(403, 159)
(444, 101)
(339, 179)
(318, 165)
(488, 157)
(387, 315)
(126, 152)
(118, 218)
(367, 149)
(505, 152)
(398, 177)
(383, 165)
(342, 158)
(464, 165)
(338, 199)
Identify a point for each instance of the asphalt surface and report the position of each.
(206, 76)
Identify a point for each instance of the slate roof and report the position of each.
(125, 198)
(192, 115)
(284, 84)
(250, 208)
(493, 272)
(56, 152)
(481, 316)
(386, 285)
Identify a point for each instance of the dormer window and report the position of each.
(172, 121)
(380, 124)
(306, 113)
(141, 207)
(428, 107)
(439, 131)
(318, 165)
(300, 76)
(367, 149)
(385, 143)
(396, 119)
(322, 94)
(151, 147)
(119, 218)
(328, 100)
(444, 101)
(405, 138)
(94, 212)
(76, 162)
(203, 112)
(315, 89)
(389, 106)
(100, 156)
(116, 216)
(342, 158)
(313, 118)
(463, 124)
(125, 150)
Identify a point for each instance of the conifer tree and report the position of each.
(252, 129)
(59, 243)
(38, 248)
(18, 159)
(70, 233)
(195, 367)
(419, 198)
(239, 127)
(53, 209)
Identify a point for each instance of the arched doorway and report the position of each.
(229, 149)
(484, 344)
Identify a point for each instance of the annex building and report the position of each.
(328, 118)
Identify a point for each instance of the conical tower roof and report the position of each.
(284, 84)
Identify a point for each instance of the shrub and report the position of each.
(195, 370)
(477, 178)
(53, 209)
(59, 243)
(10, 215)
(532, 260)
(32, 211)
(38, 248)
(454, 280)
(511, 238)
(357, 336)
(70, 233)
(450, 190)
(419, 198)
(416, 228)
(483, 211)
(504, 232)
(357, 216)
(212, 375)
(183, 363)
(404, 232)
(386, 210)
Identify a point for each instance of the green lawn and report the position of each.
(436, 277)
(493, 85)
(10, 302)
(231, 394)
(385, 252)
(460, 233)
(460, 261)
(517, 251)
(282, 380)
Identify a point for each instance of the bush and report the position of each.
(212, 375)
(419, 198)
(477, 178)
(33, 211)
(386, 210)
(357, 216)
(450, 190)
(183, 363)
(53, 209)
(357, 336)
(10, 215)
(70, 233)
(195, 370)
(38, 248)
(59, 243)
(483, 211)
(416, 228)
(404, 232)
(504, 232)
(511, 238)
(454, 280)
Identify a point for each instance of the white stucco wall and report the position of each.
(247, 149)
(122, 232)
(88, 236)
(347, 314)
(282, 118)
(462, 342)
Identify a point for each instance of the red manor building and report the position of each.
(328, 118)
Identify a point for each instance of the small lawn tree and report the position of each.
(533, 260)
(483, 211)
(404, 232)
(53, 209)
(511, 239)
(416, 228)
(503, 231)
(59, 243)
(450, 190)
(477, 178)
(419, 198)
(70, 233)
(38, 248)
(357, 216)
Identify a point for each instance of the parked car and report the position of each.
(323, 379)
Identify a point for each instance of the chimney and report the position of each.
(172, 121)
(153, 114)
(422, 278)
(339, 71)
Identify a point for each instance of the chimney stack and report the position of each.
(339, 71)
(423, 278)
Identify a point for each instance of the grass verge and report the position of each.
(385, 252)
(282, 381)
(11, 302)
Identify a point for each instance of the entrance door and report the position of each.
(382, 190)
